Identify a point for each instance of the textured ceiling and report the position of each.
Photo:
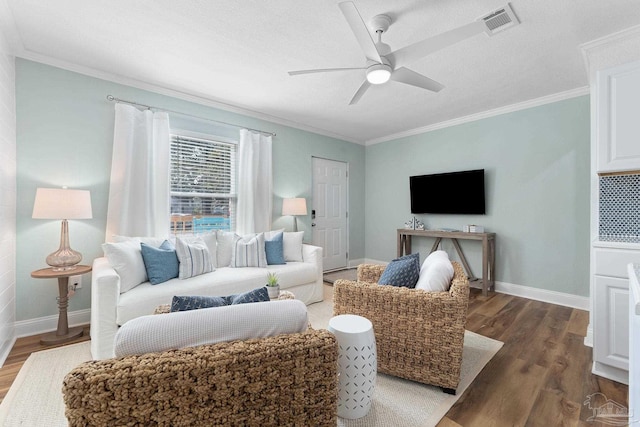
(238, 53)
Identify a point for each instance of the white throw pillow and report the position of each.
(194, 257)
(292, 244)
(126, 259)
(151, 241)
(433, 256)
(211, 240)
(248, 251)
(161, 332)
(437, 276)
(225, 247)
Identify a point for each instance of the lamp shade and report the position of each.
(62, 203)
(294, 206)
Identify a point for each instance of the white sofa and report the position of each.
(110, 309)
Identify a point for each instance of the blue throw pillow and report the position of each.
(402, 272)
(256, 295)
(186, 303)
(161, 263)
(274, 248)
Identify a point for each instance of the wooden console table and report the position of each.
(488, 250)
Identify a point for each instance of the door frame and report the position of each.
(347, 205)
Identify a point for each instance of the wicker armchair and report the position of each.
(419, 334)
(285, 380)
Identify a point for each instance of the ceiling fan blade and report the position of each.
(323, 70)
(360, 30)
(363, 88)
(423, 48)
(408, 77)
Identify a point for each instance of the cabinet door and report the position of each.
(618, 118)
(611, 320)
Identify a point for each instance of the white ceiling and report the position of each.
(238, 53)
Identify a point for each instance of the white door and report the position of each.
(330, 208)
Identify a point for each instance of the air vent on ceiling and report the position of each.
(500, 20)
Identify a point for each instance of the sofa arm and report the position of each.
(288, 379)
(105, 292)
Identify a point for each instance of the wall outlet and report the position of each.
(75, 282)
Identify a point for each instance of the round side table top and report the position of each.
(350, 324)
(48, 273)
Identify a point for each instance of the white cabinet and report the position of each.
(634, 339)
(611, 312)
(618, 118)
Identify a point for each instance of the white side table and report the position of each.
(357, 364)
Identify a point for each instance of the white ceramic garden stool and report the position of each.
(357, 364)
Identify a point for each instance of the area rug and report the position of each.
(35, 397)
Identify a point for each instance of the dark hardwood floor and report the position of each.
(542, 374)
(540, 377)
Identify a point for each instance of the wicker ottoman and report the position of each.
(357, 364)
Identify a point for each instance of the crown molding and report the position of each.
(174, 92)
(573, 93)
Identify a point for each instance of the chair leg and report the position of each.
(449, 390)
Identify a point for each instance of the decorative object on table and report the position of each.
(414, 224)
(472, 228)
(294, 206)
(273, 287)
(357, 364)
(64, 204)
(63, 333)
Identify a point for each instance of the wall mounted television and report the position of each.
(448, 193)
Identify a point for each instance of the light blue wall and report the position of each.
(64, 137)
(537, 185)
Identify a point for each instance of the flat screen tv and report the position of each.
(448, 193)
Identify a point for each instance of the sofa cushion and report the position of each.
(225, 247)
(126, 259)
(292, 246)
(402, 271)
(143, 299)
(248, 251)
(185, 303)
(211, 240)
(194, 257)
(274, 249)
(161, 332)
(160, 263)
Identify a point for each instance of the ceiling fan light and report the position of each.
(378, 74)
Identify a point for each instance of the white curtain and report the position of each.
(255, 183)
(139, 198)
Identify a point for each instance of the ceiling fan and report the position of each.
(384, 65)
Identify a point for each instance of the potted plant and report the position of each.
(272, 285)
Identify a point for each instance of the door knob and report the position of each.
(313, 224)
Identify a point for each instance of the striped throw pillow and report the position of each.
(194, 257)
(248, 251)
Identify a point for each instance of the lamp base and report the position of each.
(64, 258)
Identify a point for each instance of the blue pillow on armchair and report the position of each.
(402, 271)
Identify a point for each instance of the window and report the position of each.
(203, 184)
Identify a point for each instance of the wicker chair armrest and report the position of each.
(370, 272)
(288, 379)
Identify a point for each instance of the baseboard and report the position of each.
(40, 325)
(588, 339)
(355, 262)
(544, 295)
(606, 371)
(4, 353)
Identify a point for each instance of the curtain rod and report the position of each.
(149, 107)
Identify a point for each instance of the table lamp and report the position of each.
(294, 206)
(64, 204)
